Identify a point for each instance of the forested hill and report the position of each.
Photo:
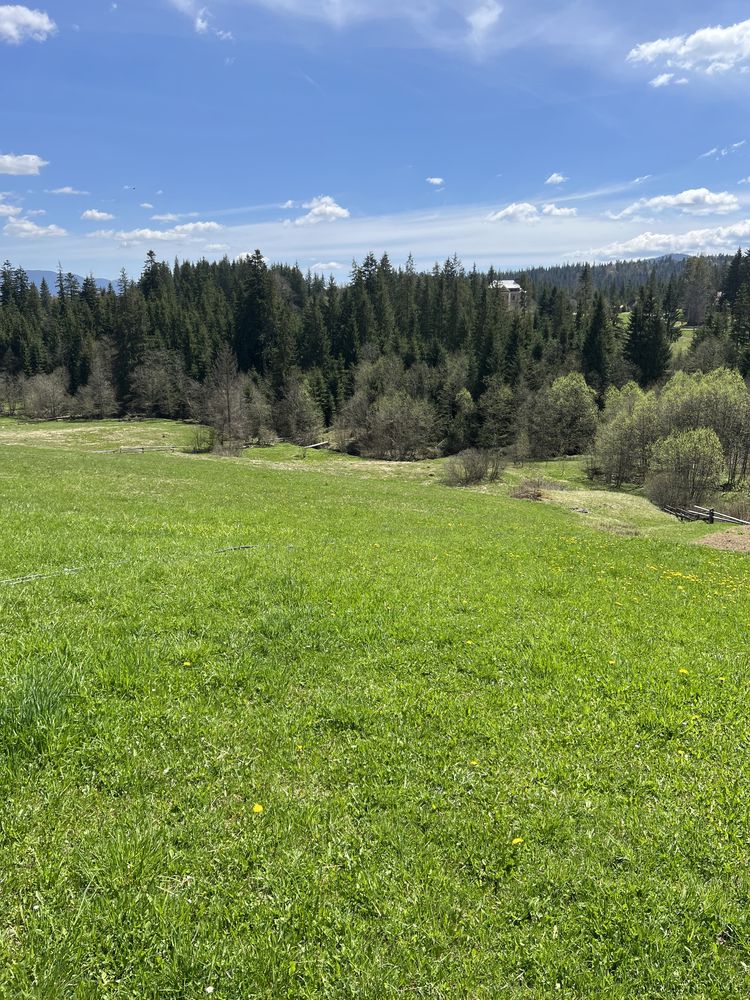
(447, 337)
(619, 279)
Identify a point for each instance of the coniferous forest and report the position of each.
(260, 351)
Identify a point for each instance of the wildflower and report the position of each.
(257, 808)
(474, 763)
(516, 841)
(612, 662)
(683, 671)
(187, 663)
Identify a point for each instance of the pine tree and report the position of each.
(647, 346)
(596, 353)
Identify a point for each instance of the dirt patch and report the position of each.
(733, 540)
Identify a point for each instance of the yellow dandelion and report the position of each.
(516, 841)
(612, 661)
(187, 663)
(474, 763)
(257, 808)
(683, 671)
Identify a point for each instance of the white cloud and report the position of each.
(665, 79)
(146, 204)
(9, 211)
(215, 247)
(94, 215)
(289, 204)
(696, 201)
(332, 265)
(187, 232)
(201, 18)
(745, 180)
(20, 24)
(26, 229)
(719, 154)
(67, 190)
(715, 240)
(322, 209)
(165, 217)
(556, 179)
(482, 20)
(709, 51)
(559, 213)
(442, 24)
(34, 212)
(518, 211)
(26, 165)
(435, 181)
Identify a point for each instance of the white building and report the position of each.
(511, 291)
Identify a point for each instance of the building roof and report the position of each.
(509, 286)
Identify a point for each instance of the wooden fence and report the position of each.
(707, 514)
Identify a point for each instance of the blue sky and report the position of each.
(510, 132)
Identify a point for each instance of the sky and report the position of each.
(508, 132)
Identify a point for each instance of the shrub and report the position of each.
(686, 468)
(473, 466)
(399, 428)
(202, 439)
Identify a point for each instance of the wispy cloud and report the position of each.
(719, 154)
(665, 79)
(27, 164)
(435, 181)
(202, 19)
(21, 24)
(331, 265)
(556, 178)
(67, 190)
(482, 21)
(188, 232)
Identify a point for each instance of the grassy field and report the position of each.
(285, 727)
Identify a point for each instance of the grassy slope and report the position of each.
(408, 679)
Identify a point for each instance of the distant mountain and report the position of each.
(51, 277)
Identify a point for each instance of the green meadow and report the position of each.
(312, 727)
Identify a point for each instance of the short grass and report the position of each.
(499, 753)
(684, 342)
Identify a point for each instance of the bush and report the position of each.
(297, 417)
(46, 397)
(399, 428)
(203, 439)
(473, 466)
(686, 468)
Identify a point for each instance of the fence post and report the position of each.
(711, 516)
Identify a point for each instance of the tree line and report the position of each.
(395, 362)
